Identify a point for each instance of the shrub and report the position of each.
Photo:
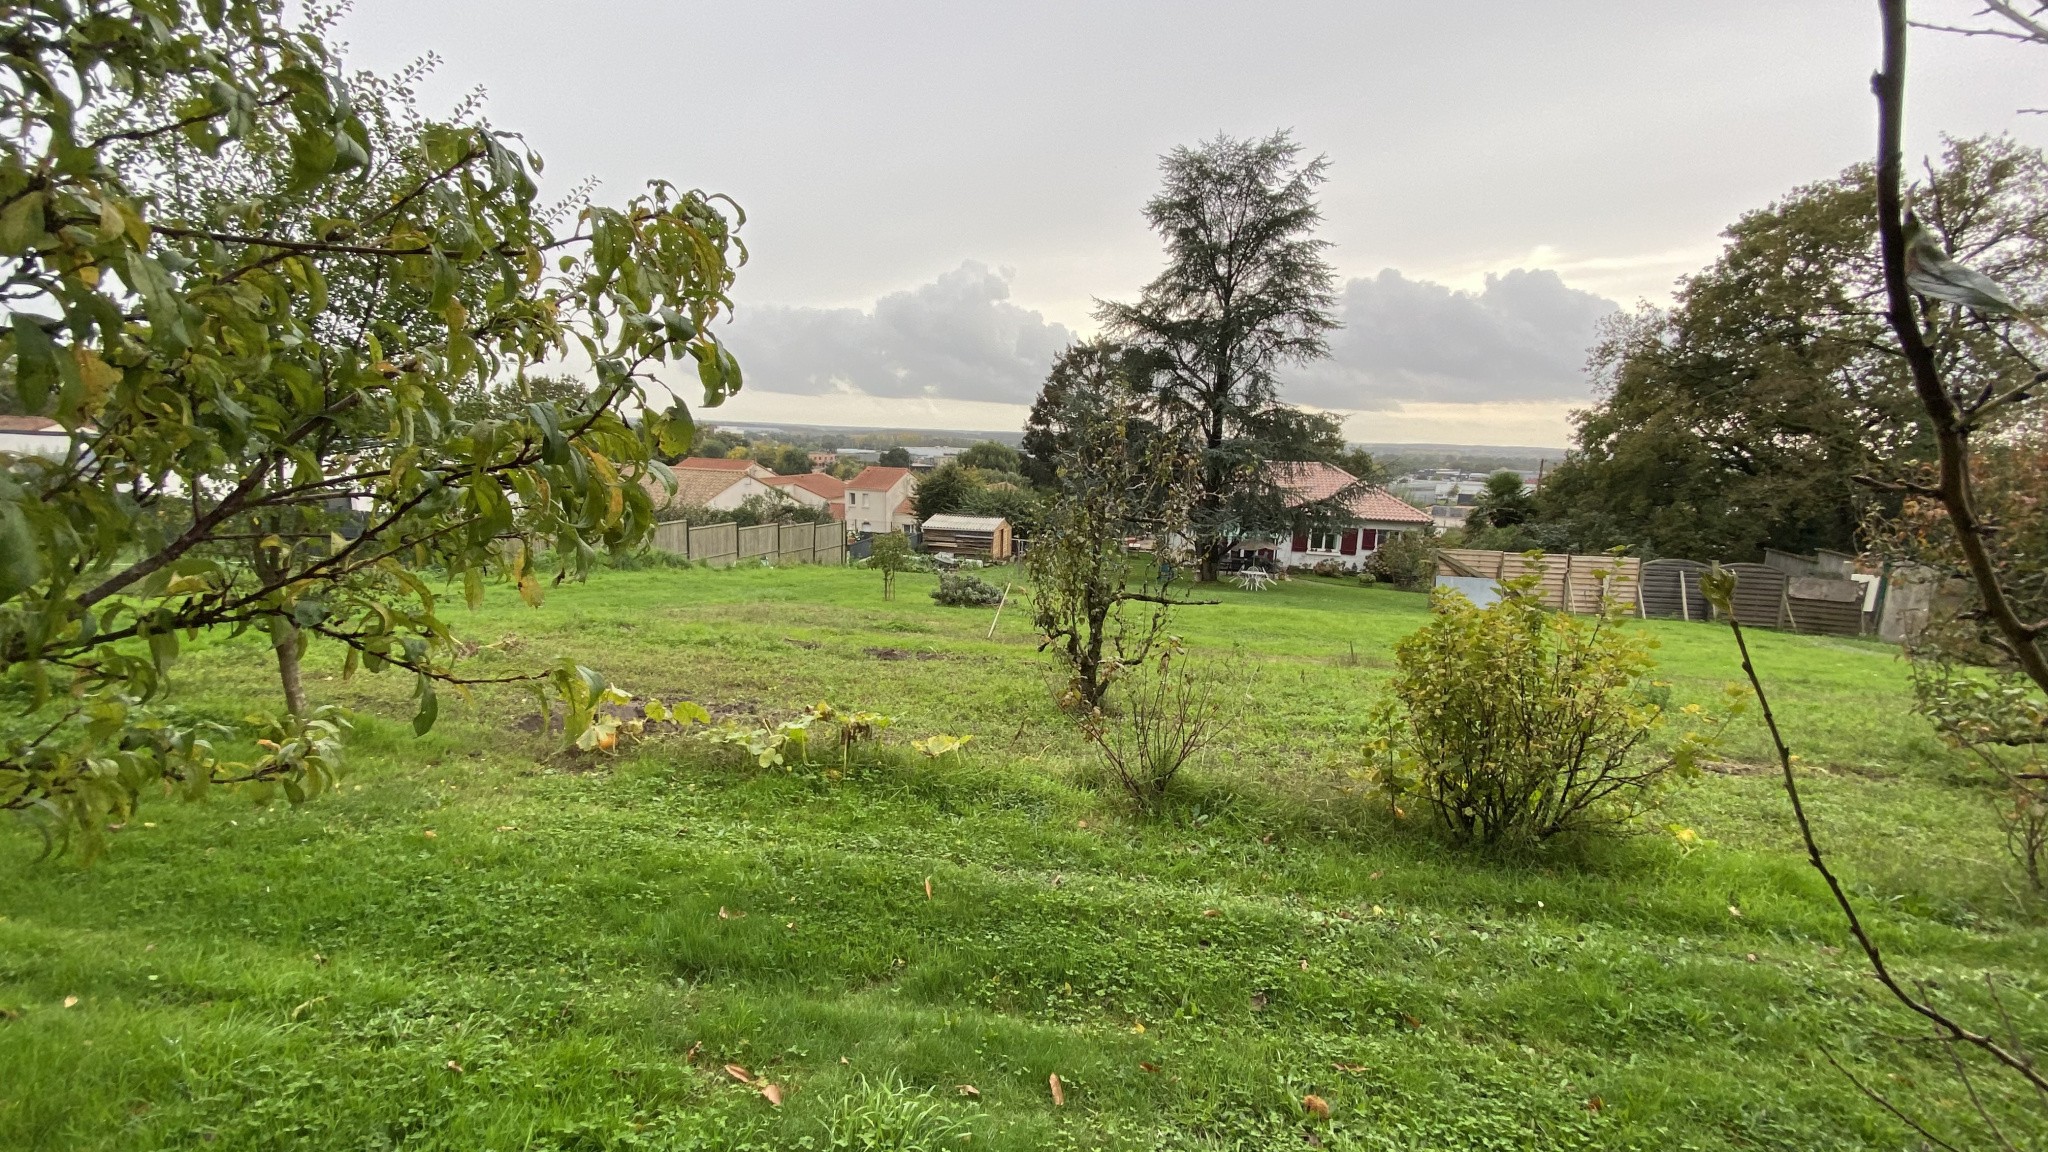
(1407, 560)
(959, 590)
(1159, 715)
(891, 555)
(1514, 723)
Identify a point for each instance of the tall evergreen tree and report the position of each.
(1246, 291)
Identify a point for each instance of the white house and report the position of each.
(1375, 515)
(878, 500)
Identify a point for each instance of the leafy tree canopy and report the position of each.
(897, 457)
(254, 290)
(1739, 418)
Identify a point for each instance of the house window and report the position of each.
(1322, 541)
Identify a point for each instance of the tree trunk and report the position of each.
(285, 641)
(288, 671)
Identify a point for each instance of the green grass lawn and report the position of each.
(484, 943)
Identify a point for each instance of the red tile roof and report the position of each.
(904, 509)
(695, 487)
(710, 463)
(29, 424)
(1312, 480)
(876, 478)
(816, 483)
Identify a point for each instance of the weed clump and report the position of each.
(960, 590)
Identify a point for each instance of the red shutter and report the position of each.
(1301, 541)
(1350, 545)
(1369, 539)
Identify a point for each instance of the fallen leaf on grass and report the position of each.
(1317, 1106)
(1059, 1093)
(507, 828)
(1376, 875)
(927, 887)
(1138, 1026)
(1349, 1067)
(1410, 1021)
(1147, 1066)
(772, 1093)
(1212, 912)
(1259, 1001)
(71, 1001)
(967, 1090)
(1751, 957)
(739, 1073)
(429, 833)
(1595, 1105)
(1304, 965)
(1735, 912)
(734, 914)
(692, 1053)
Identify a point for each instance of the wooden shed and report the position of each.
(986, 537)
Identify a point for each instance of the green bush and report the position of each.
(1516, 723)
(959, 590)
(1407, 560)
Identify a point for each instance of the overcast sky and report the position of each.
(936, 192)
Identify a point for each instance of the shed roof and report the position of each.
(951, 523)
(30, 424)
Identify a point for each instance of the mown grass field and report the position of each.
(483, 943)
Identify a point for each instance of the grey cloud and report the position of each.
(958, 337)
(1523, 337)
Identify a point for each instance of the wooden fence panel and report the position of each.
(758, 540)
(1468, 562)
(1671, 590)
(672, 536)
(1759, 596)
(1600, 580)
(796, 544)
(715, 544)
(830, 546)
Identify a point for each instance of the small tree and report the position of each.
(891, 555)
(254, 293)
(897, 457)
(1115, 483)
(1504, 502)
(944, 489)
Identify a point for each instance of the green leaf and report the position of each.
(21, 561)
(430, 707)
(35, 360)
(21, 224)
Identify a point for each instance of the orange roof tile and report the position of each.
(1312, 480)
(695, 487)
(876, 478)
(816, 483)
